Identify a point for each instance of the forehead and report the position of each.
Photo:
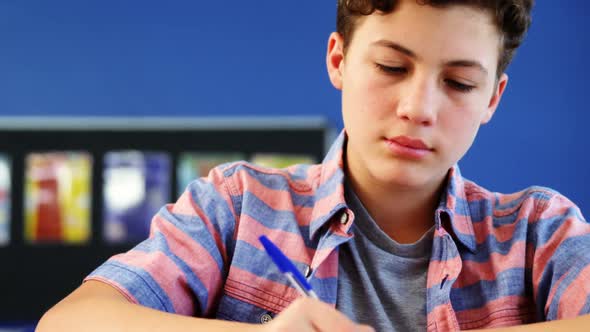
(450, 32)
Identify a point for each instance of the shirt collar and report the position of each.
(329, 189)
(454, 207)
(329, 197)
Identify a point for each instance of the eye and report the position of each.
(459, 86)
(391, 70)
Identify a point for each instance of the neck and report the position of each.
(404, 214)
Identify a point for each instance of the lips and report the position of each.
(412, 143)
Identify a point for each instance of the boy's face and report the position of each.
(416, 85)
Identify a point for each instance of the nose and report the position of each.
(418, 101)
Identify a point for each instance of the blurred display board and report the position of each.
(75, 191)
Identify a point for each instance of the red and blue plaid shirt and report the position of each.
(497, 259)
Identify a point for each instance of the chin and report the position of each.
(412, 177)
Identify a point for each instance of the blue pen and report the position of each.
(287, 268)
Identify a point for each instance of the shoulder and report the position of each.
(235, 188)
(242, 176)
(533, 201)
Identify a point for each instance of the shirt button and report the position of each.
(265, 318)
(307, 271)
(344, 218)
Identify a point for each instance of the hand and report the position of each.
(307, 314)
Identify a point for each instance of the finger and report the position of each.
(364, 328)
(324, 317)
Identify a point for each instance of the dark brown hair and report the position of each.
(512, 18)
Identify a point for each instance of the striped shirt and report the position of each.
(497, 259)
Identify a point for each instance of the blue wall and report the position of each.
(133, 58)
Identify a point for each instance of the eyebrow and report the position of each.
(411, 54)
(468, 64)
(396, 46)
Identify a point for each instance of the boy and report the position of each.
(386, 230)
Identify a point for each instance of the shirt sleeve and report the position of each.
(181, 267)
(561, 259)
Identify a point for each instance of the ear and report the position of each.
(495, 100)
(334, 59)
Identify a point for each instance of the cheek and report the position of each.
(365, 98)
(460, 127)
(378, 100)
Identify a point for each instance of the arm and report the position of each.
(99, 307)
(580, 323)
(165, 281)
(560, 267)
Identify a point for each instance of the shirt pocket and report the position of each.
(246, 300)
(233, 309)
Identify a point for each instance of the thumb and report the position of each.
(364, 328)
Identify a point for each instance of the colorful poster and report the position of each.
(57, 197)
(136, 186)
(281, 160)
(193, 165)
(5, 200)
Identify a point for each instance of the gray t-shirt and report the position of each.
(380, 282)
